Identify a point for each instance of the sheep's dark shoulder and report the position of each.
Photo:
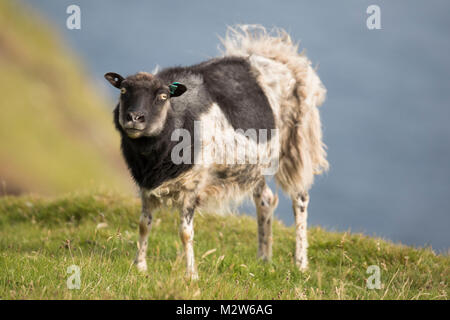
(231, 84)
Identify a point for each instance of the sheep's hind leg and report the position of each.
(265, 202)
(145, 224)
(300, 207)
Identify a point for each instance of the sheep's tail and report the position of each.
(294, 91)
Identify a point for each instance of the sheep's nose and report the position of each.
(135, 117)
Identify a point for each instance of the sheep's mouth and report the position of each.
(133, 133)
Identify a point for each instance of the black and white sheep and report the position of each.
(260, 84)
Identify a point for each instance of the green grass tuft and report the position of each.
(41, 237)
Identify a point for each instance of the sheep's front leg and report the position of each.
(145, 225)
(187, 237)
(265, 202)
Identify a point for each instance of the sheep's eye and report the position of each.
(123, 90)
(162, 96)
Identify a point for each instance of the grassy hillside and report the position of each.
(41, 238)
(56, 134)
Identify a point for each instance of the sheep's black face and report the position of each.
(144, 103)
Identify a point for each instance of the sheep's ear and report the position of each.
(177, 89)
(114, 78)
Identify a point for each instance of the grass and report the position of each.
(41, 237)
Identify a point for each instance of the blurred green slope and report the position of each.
(56, 134)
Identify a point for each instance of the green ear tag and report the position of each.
(173, 87)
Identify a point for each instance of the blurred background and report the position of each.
(385, 119)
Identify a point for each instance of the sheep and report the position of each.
(260, 83)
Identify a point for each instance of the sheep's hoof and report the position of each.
(193, 276)
(302, 265)
(264, 258)
(141, 265)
